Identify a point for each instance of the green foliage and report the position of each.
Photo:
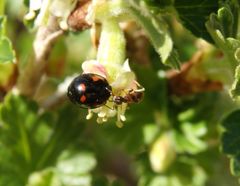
(156, 29)
(31, 141)
(194, 15)
(156, 3)
(223, 25)
(189, 140)
(6, 52)
(235, 90)
(184, 172)
(3, 20)
(223, 28)
(26, 2)
(71, 170)
(230, 140)
(15, 140)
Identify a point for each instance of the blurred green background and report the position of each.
(171, 138)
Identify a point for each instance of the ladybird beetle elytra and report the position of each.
(89, 90)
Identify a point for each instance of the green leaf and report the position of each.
(229, 17)
(235, 89)
(162, 153)
(194, 15)
(230, 137)
(223, 28)
(16, 127)
(63, 132)
(190, 140)
(43, 178)
(150, 132)
(6, 52)
(156, 29)
(226, 19)
(18, 117)
(3, 21)
(74, 169)
(31, 141)
(184, 172)
(6, 72)
(235, 165)
(231, 141)
(26, 2)
(158, 4)
(173, 60)
(76, 164)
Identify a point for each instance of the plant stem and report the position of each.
(111, 51)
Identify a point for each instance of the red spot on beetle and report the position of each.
(95, 78)
(82, 87)
(83, 99)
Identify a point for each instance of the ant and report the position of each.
(133, 96)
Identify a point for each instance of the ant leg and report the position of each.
(142, 89)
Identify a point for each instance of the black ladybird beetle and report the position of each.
(89, 90)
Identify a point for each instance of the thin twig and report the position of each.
(45, 38)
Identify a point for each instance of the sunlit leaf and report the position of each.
(190, 140)
(79, 163)
(235, 89)
(3, 21)
(43, 178)
(156, 29)
(6, 52)
(162, 153)
(235, 165)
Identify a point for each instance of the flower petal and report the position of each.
(123, 81)
(94, 67)
(35, 4)
(126, 67)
